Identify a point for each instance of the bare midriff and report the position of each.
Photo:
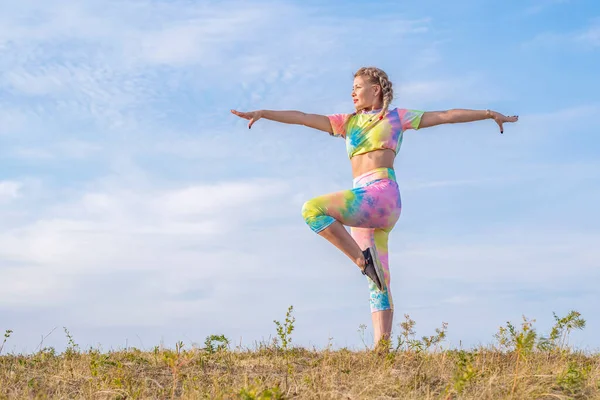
(363, 163)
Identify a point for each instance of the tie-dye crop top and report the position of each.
(387, 134)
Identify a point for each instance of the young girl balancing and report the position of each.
(373, 135)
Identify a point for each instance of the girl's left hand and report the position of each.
(501, 119)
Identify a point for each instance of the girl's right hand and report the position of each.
(253, 116)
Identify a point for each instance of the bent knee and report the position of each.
(310, 210)
(315, 217)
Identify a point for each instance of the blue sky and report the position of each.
(135, 209)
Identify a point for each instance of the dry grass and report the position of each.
(518, 368)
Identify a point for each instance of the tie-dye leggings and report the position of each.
(371, 209)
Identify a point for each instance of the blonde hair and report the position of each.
(376, 76)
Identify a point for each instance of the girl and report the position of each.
(373, 136)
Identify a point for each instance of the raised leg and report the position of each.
(374, 206)
(340, 238)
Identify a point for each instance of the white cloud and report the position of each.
(445, 183)
(532, 257)
(534, 129)
(458, 299)
(9, 190)
(474, 88)
(59, 151)
(590, 37)
(124, 229)
(203, 39)
(441, 90)
(570, 114)
(144, 257)
(25, 284)
(11, 119)
(36, 82)
(541, 5)
(220, 197)
(581, 39)
(77, 148)
(126, 66)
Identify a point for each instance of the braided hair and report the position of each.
(377, 76)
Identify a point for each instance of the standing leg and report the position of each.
(381, 304)
(383, 310)
(382, 326)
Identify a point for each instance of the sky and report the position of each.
(135, 210)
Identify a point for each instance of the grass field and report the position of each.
(522, 364)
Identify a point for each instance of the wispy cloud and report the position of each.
(11, 119)
(122, 230)
(587, 38)
(137, 256)
(9, 190)
(127, 65)
(473, 88)
(506, 255)
(61, 151)
(446, 183)
(590, 37)
(537, 6)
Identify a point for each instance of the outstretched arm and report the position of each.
(432, 118)
(316, 121)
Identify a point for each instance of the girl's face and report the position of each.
(366, 95)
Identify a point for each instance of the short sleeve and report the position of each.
(338, 124)
(410, 119)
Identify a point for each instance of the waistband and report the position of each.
(373, 175)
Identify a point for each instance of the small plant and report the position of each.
(254, 393)
(407, 333)
(70, 352)
(521, 342)
(383, 346)
(97, 361)
(434, 340)
(407, 340)
(221, 342)
(514, 340)
(558, 338)
(175, 361)
(464, 372)
(7, 334)
(574, 378)
(45, 354)
(179, 346)
(72, 347)
(284, 331)
(361, 333)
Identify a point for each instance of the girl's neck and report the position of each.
(372, 109)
